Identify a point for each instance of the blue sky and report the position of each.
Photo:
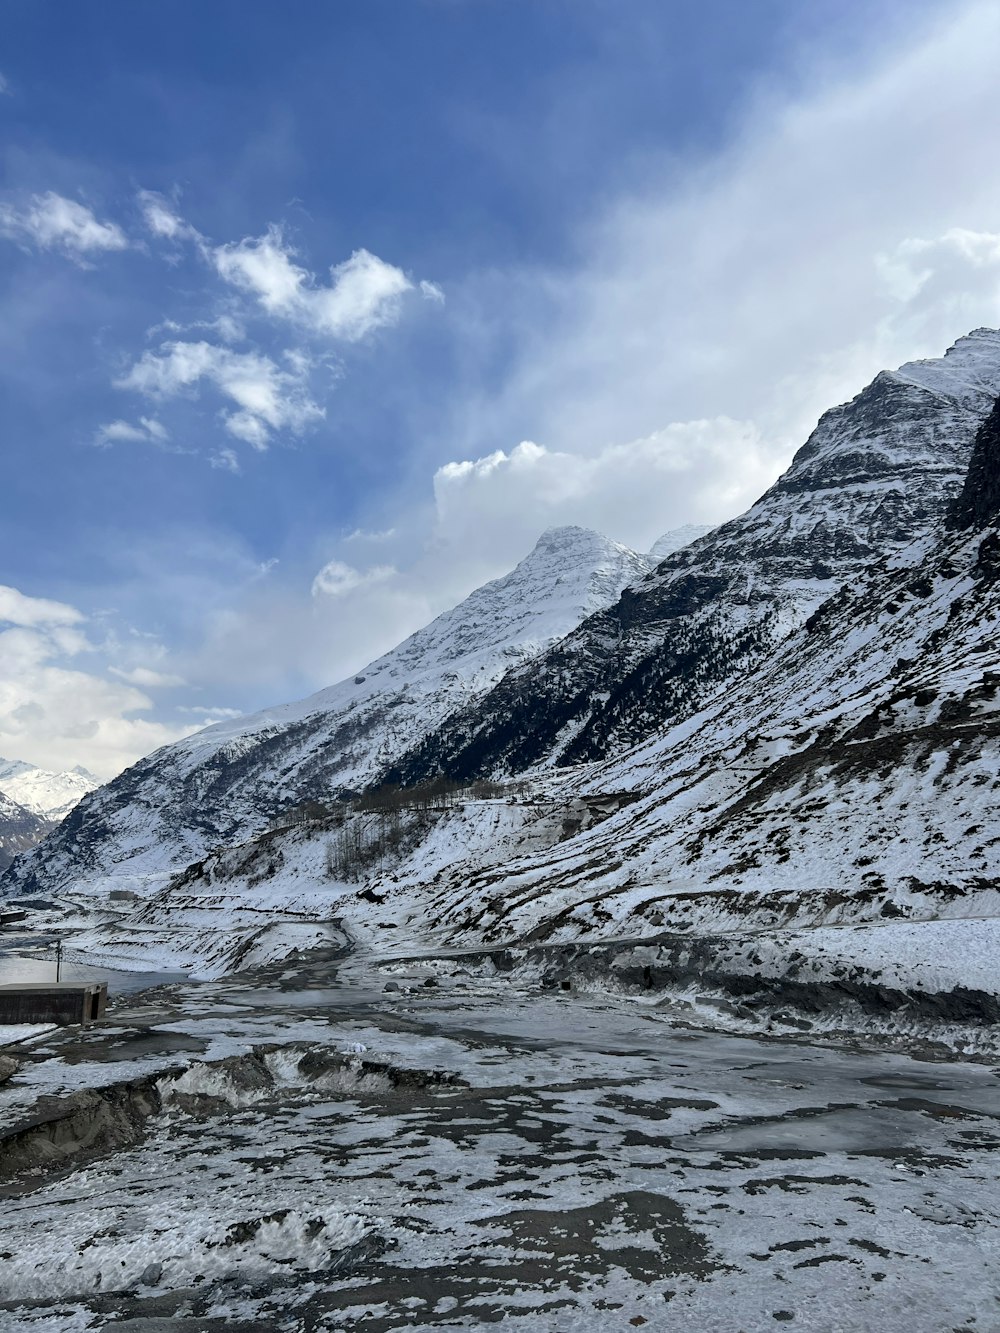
(287, 289)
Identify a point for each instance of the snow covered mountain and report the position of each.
(50, 796)
(20, 830)
(228, 781)
(676, 540)
(758, 716)
(876, 473)
(830, 819)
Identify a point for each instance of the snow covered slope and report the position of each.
(20, 830)
(876, 473)
(854, 777)
(50, 796)
(676, 540)
(831, 818)
(228, 781)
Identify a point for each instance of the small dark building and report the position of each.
(62, 1002)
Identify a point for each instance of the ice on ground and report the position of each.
(164, 1245)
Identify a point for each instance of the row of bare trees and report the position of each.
(372, 828)
(437, 794)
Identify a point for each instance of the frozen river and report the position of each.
(332, 1155)
(40, 965)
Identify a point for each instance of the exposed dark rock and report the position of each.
(979, 499)
(84, 1125)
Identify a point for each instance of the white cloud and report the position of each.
(268, 398)
(148, 431)
(431, 292)
(56, 715)
(146, 678)
(161, 219)
(4, 87)
(210, 715)
(51, 222)
(363, 294)
(17, 609)
(337, 579)
(370, 535)
(754, 283)
(226, 461)
(690, 472)
(931, 268)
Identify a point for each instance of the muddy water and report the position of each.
(585, 1164)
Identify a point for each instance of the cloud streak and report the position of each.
(148, 431)
(51, 222)
(337, 579)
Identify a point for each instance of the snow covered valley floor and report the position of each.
(300, 1148)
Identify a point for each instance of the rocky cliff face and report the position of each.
(225, 783)
(979, 500)
(876, 474)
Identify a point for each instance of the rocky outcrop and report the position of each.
(978, 503)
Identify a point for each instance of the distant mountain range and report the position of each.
(790, 721)
(48, 795)
(33, 801)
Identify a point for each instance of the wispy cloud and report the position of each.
(148, 431)
(4, 87)
(162, 219)
(210, 715)
(226, 460)
(146, 678)
(267, 397)
(52, 222)
(337, 579)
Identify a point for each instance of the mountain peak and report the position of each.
(676, 539)
(572, 540)
(967, 369)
